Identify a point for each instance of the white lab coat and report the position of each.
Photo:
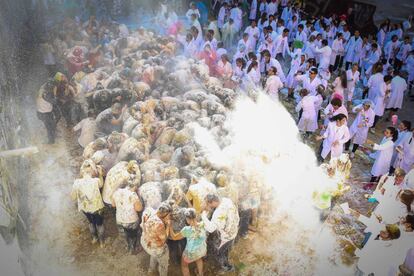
(383, 257)
(301, 36)
(366, 118)
(352, 79)
(295, 67)
(398, 86)
(380, 100)
(236, 15)
(334, 133)
(403, 52)
(325, 56)
(221, 16)
(353, 50)
(330, 112)
(373, 57)
(273, 85)
(383, 158)
(405, 160)
(391, 49)
(254, 34)
(281, 46)
(309, 118)
(308, 84)
(375, 84)
(337, 50)
(271, 8)
(264, 67)
(253, 10)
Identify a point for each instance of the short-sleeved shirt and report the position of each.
(42, 105)
(196, 246)
(153, 236)
(125, 200)
(197, 192)
(88, 195)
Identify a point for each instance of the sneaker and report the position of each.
(94, 240)
(352, 155)
(226, 269)
(372, 130)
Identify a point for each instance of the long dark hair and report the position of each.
(344, 80)
(338, 117)
(394, 133)
(407, 198)
(254, 63)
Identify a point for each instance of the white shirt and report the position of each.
(273, 85)
(42, 105)
(125, 200)
(88, 128)
(86, 191)
(225, 219)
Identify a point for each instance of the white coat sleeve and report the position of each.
(384, 146)
(345, 138)
(208, 225)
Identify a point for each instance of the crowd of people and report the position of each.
(131, 97)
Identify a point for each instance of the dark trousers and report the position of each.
(354, 147)
(66, 109)
(339, 61)
(398, 64)
(131, 234)
(176, 249)
(49, 121)
(223, 254)
(347, 64)
(376, 119)
(245, 218)
(96, 226)
(319, 157)
(365, 93)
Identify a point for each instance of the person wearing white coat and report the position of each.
(271, 62)
(404, 133)
(253, 10)
(308, 121)
(338, 51)
(222, 16)
(360, 126)
(381, 97)
(353, 50)
(311, 81)
(325, 53)
(352, 77)
(273, 83)
(298, 64)
(334, 138)
(375, 83)
(398, 87)
(282, 45)
(405, 158)
(254, 33)
(271, 7)
(384, 153)
(236, 14)
(334, 108)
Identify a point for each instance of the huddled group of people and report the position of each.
(131, 99)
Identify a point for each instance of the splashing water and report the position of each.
(264, 144)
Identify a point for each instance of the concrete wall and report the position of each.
(17, 43)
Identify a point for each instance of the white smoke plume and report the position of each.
(265, 145)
